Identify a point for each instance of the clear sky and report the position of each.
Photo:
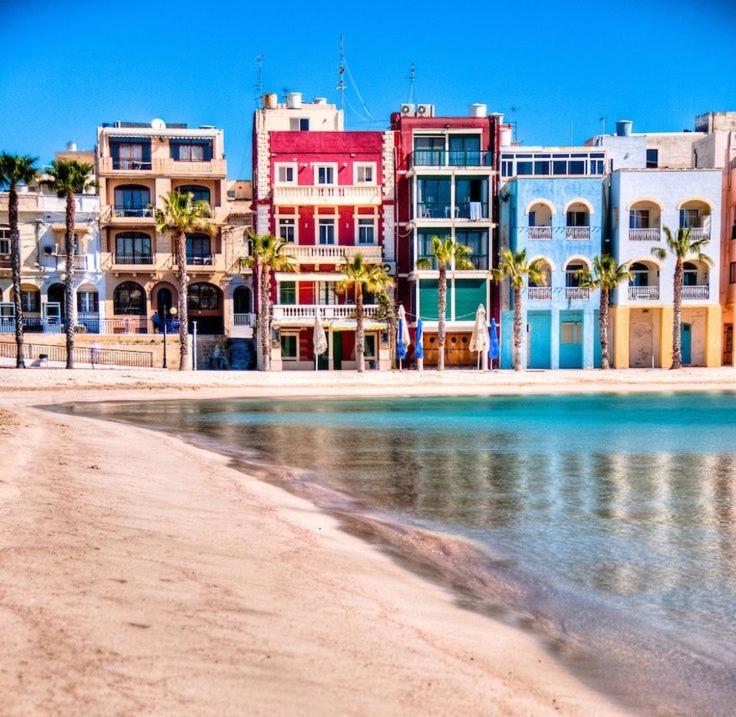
(555, 67)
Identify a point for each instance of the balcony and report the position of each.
(475, 211)
(200, 260)
(164, 166)
(122, 212)
(333, 254)
(441, 158)
(327, 195)
(578, 233)
(133, 259)
(539, 233)
(303, 312)
(576, 293)
(644, 293)
(701, 293)
(57, 262)
(244, 319)
(697, 233)
(539, 293)
(653, 234)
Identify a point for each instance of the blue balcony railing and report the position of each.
(453, 158)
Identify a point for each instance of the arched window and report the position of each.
(133, 248)
(203, 297)
(690, 274)
(199, 249)
(55, 295)
(200, 193)
(573, 274)
(639, 274)
(133, 200)
(129, 299)
(242, 302)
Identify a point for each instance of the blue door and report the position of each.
(571, 339)
(539, 328)
(686, 341)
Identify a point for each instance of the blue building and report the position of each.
(551, 203)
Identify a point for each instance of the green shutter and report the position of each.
(468, 294)
(287, 292)
(428, 299)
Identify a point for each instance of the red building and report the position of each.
(329, 194)
(447, 185)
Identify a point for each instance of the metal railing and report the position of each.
(644, 293)
(86, 324)
(133, 258)
(136, 212)
(57, 262)
(576, 293)
(244, 319)
(471, 210)
(131, 164)
(539, 293)
(453, 158)
(82, 355)
(696, 292)
(199, 259)
(650, 234)
(699, 233)
(539, 233)
(333, 311)
(578, 232)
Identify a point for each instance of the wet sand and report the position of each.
(143, 575)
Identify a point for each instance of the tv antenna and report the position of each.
(602, 120)
(259, 76)
(341, 74)
(412, 75)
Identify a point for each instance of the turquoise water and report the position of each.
(610, 521)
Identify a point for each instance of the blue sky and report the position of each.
(554, 67)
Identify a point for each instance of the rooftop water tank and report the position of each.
(270, 100)
(294, 100)
(71, 146)
(623, 128)
(507, 136)
(320, 100)
(478, 109)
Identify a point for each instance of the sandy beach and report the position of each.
(142, 575)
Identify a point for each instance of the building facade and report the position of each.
(328, 193)
(552, 205)
(446, 186)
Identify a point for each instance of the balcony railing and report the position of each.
(652, 234)
(539, 233)
(126, 212)
(332, 194)
(699, 233)
(200, 260)
(539, 293)
(57, 262)
(334, 311)
(576, 293)
(133, 165)
(165, 166)
(333, 253)
(578, 232)
(428, 262)
(145, 259)
(696, 292)
(453, 158)
(474, 211)
(244, 319)
(86, 323)
(644, 293)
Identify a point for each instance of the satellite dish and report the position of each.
(158, 123)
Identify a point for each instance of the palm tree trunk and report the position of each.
(180, 252)
(441, 311)
(20, 361)
(517, 328)
(359, 330)
(677, 317)
(265, 289)
(603, 327)
(71, 307)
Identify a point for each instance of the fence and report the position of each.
(87, 354)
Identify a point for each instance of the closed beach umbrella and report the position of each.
(480, 340)
(403, 339)
(494, 350)
(319, 338)
(418, 348)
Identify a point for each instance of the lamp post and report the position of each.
(167, 312)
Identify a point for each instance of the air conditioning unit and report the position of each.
(407, 110)
(425, 110)
(390, 267)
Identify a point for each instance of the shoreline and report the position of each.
(358, 633)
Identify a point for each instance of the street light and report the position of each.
(167, 312)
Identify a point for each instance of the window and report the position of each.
(203, 297)
(242, 301)
(366, 231)
(129, 299)
(639, 219)
(573, 275)
(690, 274)
(477, 242)
(287, 230)
(639, 274)
(30, 300)
(433, 200)
(131, 155)
(652, 158)
(87, 302)
(289, 347)
(465, 150)
(196, 150)
(370, 346)
(132, 201)
(578, 218)
(690, 218)
(133, 248)
(326, 293)
(732, 273)
(4, 240)
(198, 192)
(299, 124)
(571, 332)
(286, 174)
(326, 228)
(287, 292)
(325, 174)
(199, 249)
(365, 173)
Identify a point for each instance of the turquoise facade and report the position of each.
(559, 220)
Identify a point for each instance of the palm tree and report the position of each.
(267, 254)
(180, 215)
(681, 246)
(515, 267)
(67, 178)
(606, 276)
(361, 277)
(445, 253)
(14, 170)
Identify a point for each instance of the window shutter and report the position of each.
(174, 147)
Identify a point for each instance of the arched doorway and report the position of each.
(55, 295)
(242, 301)
(204, 302)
